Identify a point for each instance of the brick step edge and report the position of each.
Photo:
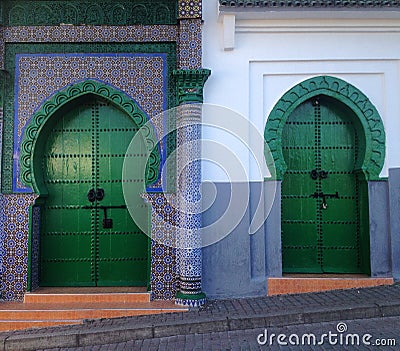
(31, 298)
(97, 335)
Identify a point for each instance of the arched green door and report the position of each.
(323, 197)
(87, 235)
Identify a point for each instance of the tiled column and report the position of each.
(1, 150)
(190, 95)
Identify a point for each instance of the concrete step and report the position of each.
(305, 283)
(59, 306)
(87, 295)
(20, 325)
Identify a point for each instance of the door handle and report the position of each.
(99, 194)
(314, 174)
(94, 195)
(91, 195)
(321, 174)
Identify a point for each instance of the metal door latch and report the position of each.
(107, 222)
(324, 205)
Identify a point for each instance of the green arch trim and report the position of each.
(344, 92)
(118, 98)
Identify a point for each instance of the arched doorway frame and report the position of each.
(368, 116)
(372, 129)
(31, 176)
(34, 138)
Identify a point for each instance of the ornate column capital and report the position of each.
(190, 84)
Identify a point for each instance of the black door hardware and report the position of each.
(324, 205)
(107, 222)
(91, 195)
(99, 194)
(94, 195)
(321, 174)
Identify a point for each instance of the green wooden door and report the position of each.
(82, 166)
(321, 192)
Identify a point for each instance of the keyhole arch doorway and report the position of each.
(317, 127)
(74, 145)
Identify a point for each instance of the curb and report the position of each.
(127, 331)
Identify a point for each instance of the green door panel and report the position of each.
(85, 150)
(321, 234)
(306, 263)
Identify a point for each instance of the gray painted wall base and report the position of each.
(379, 229)
(238, 265)
(394, 193)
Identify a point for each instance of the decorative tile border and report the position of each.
(15, 229)
(190, 44)
(2, 249)
(1, 47)
(1, 139)
(90, 34)
(39, 76)
(35, 247)
(190, 9)
(163, 275)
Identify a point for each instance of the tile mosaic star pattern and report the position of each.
(35, 247)
(70, 34)
(189, 53)
(1, 141)
(189, 238)
(14, 253)
(163, 276)
(190, 9)
(141, 76)
(1, 48)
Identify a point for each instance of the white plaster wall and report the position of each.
(270, 56)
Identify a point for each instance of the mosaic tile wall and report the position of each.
(1, 133)
(90, 34)
(189, 37)
(14, 232)
(163, 279)
(190, 44)
(38, 77)
(2, 250)
(1, 48)
(35, 247)
(190, 9)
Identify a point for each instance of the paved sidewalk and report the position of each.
(217, 316)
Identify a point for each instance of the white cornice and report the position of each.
(252, 22)
(260, 13)
(317, 26)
